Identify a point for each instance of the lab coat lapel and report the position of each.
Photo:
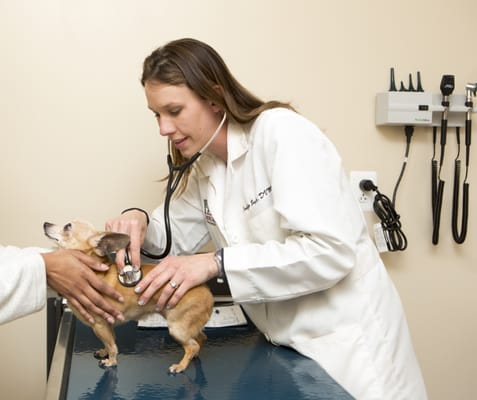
(211, 186)
(213, 181)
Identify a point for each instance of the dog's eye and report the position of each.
(67, 227)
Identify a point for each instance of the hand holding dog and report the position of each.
(181, 273)
(70, 273)
(134, 224)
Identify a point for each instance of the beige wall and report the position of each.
(77, 140)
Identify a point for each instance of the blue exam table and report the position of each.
(235, 363)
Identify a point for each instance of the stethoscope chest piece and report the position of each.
(130, 276)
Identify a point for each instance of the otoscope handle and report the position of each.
(443, 131)
(468, 131)
(437, 213)
(434, 181)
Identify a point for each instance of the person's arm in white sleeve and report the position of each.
(26, 273)
(23, 283)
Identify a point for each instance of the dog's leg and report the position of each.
(105, 333)
(101, 354)
(191, 346)
(191, 350)
(201, 338)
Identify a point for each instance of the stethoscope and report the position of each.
(132, 275)
(175, 175)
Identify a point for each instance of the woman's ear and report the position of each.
(215, 107)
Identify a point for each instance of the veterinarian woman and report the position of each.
(26, 272)
(271, 193)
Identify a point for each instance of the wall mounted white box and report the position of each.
(403, 108)
(418, 109)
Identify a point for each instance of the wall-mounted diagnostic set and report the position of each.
(413, 107)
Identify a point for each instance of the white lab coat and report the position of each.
(297, 253)
(23, 282)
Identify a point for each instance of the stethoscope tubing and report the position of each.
(175, 175)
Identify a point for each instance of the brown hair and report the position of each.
(199, 67)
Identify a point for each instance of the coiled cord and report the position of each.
(390, 219)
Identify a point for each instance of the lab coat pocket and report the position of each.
(346, 357)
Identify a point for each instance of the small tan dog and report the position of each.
(185, 321)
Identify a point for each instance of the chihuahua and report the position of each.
(185, 321)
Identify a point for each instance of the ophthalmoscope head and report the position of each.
(447, 84)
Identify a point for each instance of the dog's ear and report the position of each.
(108, 242)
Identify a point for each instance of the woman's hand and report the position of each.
(178, 274)
(133, 223)
(69, 272)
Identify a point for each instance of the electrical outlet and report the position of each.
(365, 198)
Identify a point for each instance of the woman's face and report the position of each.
(187, 120)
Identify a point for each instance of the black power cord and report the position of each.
(385, 208)
(408, 130)
(390, 219)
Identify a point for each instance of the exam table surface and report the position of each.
(234, 363)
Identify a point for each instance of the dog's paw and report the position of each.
(176, 369)
(101, 354)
